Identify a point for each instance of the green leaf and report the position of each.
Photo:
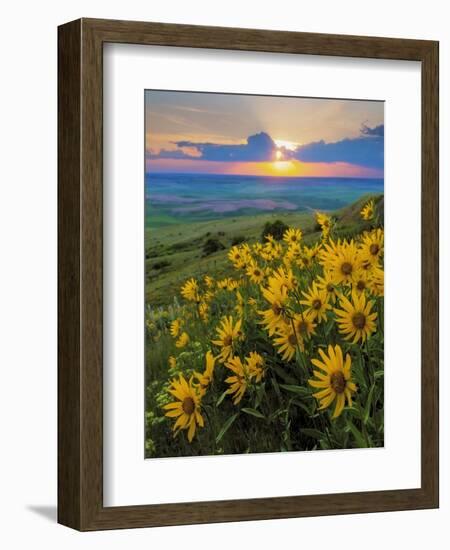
(378, 374)
(284, 375)
(278, 412)
(328, 327)
(221, 398)
(311, 432)
(368, 404)
(299, 390)
(253, 412)
(353, 411)
(306, 407)
(226, 427)
(360, 441)
(275, 386)
(260, 392)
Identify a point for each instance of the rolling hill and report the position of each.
(175, 253)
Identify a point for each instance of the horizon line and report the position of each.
(259, 176)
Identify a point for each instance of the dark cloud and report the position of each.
(259, 147)
(376, 131)
(366, 150)
(166, 154)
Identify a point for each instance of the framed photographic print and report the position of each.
(248, 274)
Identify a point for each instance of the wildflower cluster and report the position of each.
(291, 344)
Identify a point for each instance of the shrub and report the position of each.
(161, 264)
(211, 246)
(238, 239)
(276, 229)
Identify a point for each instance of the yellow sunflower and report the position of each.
(317, 302)
(255, 273)
(175, 327)
(333, 380)
(190, 290)
(368, 211)
(232, 284)
(323, 220)
(355, 319)
(255, 364)
(376, 281)
(239, 380)
(186, 408)
(222, 284)
(312, 251)
(287, 342)
(327, 283)
(183, 340)
(229, 334)
(277, 251)
(209, 281)
(361, 281)
(205, 378)
(172, 363)
(342, 260)
(282, 277)
(305, 261)
(304, 325)
(325, 223)
(277, 314)
(203, 309)
(237, 257)
(208, 296)
(372, 246)
(292, 236)
(271, 250)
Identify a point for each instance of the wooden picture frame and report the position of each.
(80, 271)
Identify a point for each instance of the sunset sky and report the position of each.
(263, 135)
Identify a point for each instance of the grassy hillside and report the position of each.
(175, 253)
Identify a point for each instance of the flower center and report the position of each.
(374, 249)
(292, 339)
(330, 287)
(257, 273)
(337, 382)
(302, 327)
(346, 268)
(188, 405)
(293, 238)
(276, 308)
(317, 304)
(228, 340)
(359, 320)
(360, 285)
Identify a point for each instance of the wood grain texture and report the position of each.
(69, 245)
(80, 241)
(430, 272)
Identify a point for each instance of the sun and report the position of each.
(283, 166)
(289, 145)
(278, 154)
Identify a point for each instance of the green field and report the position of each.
(175, 253)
